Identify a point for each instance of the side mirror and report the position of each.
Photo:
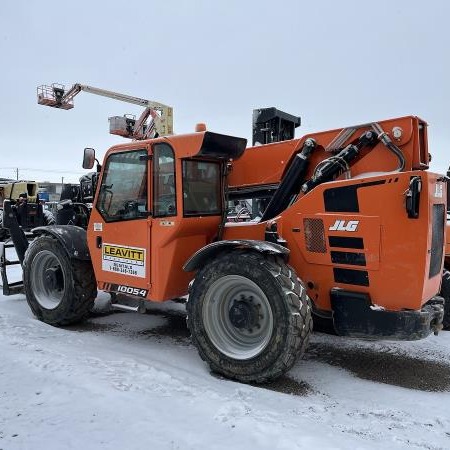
(88, 158)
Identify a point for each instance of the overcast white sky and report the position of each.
(335, 63)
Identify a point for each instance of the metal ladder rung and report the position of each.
(15, 284)
(13, 289)
(10, 263)
(9, 288)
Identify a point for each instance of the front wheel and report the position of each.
(249, 316)
(59, 290)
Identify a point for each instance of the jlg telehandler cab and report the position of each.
(350, 229)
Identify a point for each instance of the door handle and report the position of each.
(98, 242)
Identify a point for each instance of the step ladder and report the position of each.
(14, 287)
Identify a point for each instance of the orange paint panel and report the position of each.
(263, 164)
(398, 273)
(172, 246)
(120, 251)
(244, 230)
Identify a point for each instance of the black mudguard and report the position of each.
(212, 250)
(72, 238)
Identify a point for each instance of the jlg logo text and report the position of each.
(342, 225)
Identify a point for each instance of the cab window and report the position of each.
(164, 192)
(201, 188)
(123, 192)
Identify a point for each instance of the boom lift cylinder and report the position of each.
(292, 181)
(338, 163)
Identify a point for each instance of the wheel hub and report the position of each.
(52, 278)
(237, 317)
(243, 313)
(47, 279)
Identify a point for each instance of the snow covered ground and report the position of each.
(129, 381)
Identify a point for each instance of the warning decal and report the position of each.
(123, 260)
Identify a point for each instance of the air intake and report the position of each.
(314, 235)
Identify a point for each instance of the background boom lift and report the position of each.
(156, 119)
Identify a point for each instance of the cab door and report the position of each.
(119, 227)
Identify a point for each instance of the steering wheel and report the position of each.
(130, 208)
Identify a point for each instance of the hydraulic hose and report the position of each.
(336, 164)
(225, 171)
(386, 140)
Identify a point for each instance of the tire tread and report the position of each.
(298, 304)
(81, 300)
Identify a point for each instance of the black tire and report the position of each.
(49, 218)
(279, 321)
(445, 293)
(59, 290)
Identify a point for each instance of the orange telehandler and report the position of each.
(348, 227)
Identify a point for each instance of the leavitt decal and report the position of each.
(124, 260)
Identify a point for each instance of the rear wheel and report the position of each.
(249, 316)
(445, 293)
(59, 290)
